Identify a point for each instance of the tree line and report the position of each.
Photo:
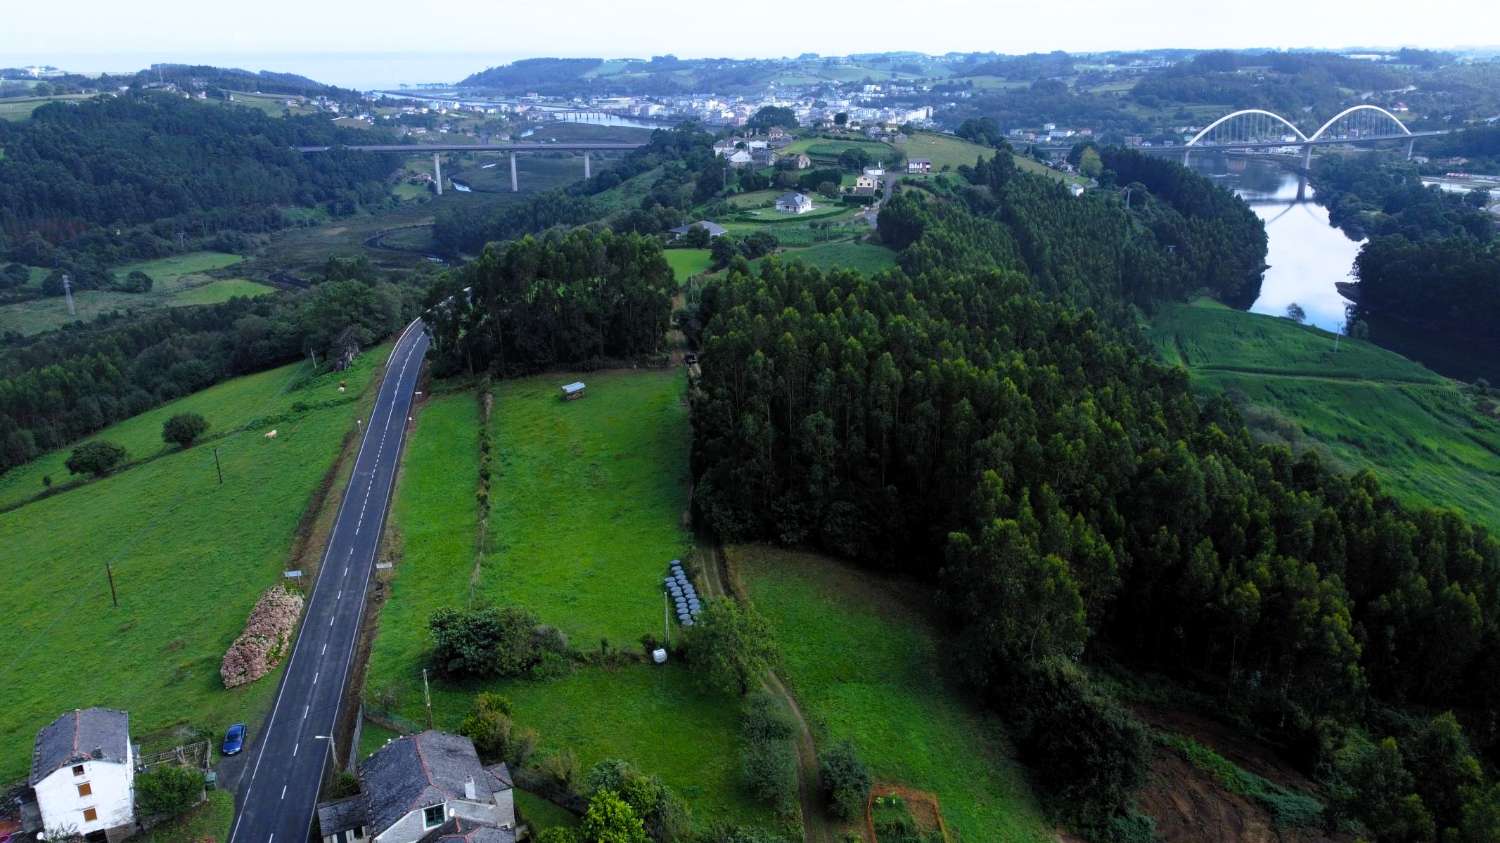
(84, 186)
(690, 173)
(564, 299)
(987, 418)
(64, 385)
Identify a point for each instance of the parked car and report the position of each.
(234, 740)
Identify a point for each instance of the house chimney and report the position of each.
(469, 791)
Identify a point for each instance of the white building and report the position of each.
(429, 786)
(793, 203)
(83, 775)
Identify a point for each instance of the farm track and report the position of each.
(816, 826)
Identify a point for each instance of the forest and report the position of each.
(567, 300)
(1432, 261)
(85, 186)
(64, 385)
(690, 173)
(987, 420)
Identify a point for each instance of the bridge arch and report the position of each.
(1363, 107)
(1241, 113)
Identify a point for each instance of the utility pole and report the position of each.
(332, 747)
(219, 467)
(427, 695)
(68, 293)
(110, 572)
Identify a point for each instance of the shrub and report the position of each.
(167, 791)
(1090, 754)
(97, 458)
(483, 642)
(489, 726)
(768, 758)
(561, 768)
(136, 282)
(265, 639)
(845, 781)
(610, 819)
(183, 429)
(731, 646)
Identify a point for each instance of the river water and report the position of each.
(1306, 256)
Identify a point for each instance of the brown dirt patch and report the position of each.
(1247, 752)
(1189, 806)
(921, 804)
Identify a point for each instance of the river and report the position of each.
(1306, 256)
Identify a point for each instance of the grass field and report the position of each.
(944, 150)
(1361, 405)
(588, 500)
(585, 514)
(847, 254)
(189, 558)
(865, 667)
(20, 108)
(686, 263)
(540, 814)
(829, 149)
(177, 281)
(207, 823)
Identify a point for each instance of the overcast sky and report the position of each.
(118, 36)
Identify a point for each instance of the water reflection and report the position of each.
(1307, 257)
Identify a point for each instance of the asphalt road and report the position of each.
(279, 789)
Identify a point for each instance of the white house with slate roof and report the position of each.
(83, 775)
(424, 788)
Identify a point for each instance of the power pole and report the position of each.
(68, 293)
(109, 572)
(219, 467)
(427, 695)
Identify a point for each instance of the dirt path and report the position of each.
(816, 826)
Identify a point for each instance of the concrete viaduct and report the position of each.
(513, 148)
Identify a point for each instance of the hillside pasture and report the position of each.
(188, 557)
(586, 511)
(867, 667)
(1359, 405)
(177, 281)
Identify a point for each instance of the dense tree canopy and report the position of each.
(968, 420)
(559, 300)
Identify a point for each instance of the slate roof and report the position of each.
(458, 830)
(87, 734)
(421, 770)
(713, 228)
(341, 815)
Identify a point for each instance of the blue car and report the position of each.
(234, 740)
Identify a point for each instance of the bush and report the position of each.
(845, 781)
(489, 726)
(168, 791)
(96, 458)
(561, 768)
(1089, 753)
(136, 282)
(731, 646)
(768, 758)
(610, 819)
(481, 643)
(183, 429)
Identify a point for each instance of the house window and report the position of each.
(78, 769)
(432, 816)
(90, 814)
(85, 789)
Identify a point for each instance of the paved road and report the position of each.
(279, 790)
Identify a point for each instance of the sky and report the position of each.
(459, 36)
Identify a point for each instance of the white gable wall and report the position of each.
(112, 787)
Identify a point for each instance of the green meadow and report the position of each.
(188, 558)
(586, 507)
(864, 666)
(177, 281)
(686, 263)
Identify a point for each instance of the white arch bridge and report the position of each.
(1255, 129)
